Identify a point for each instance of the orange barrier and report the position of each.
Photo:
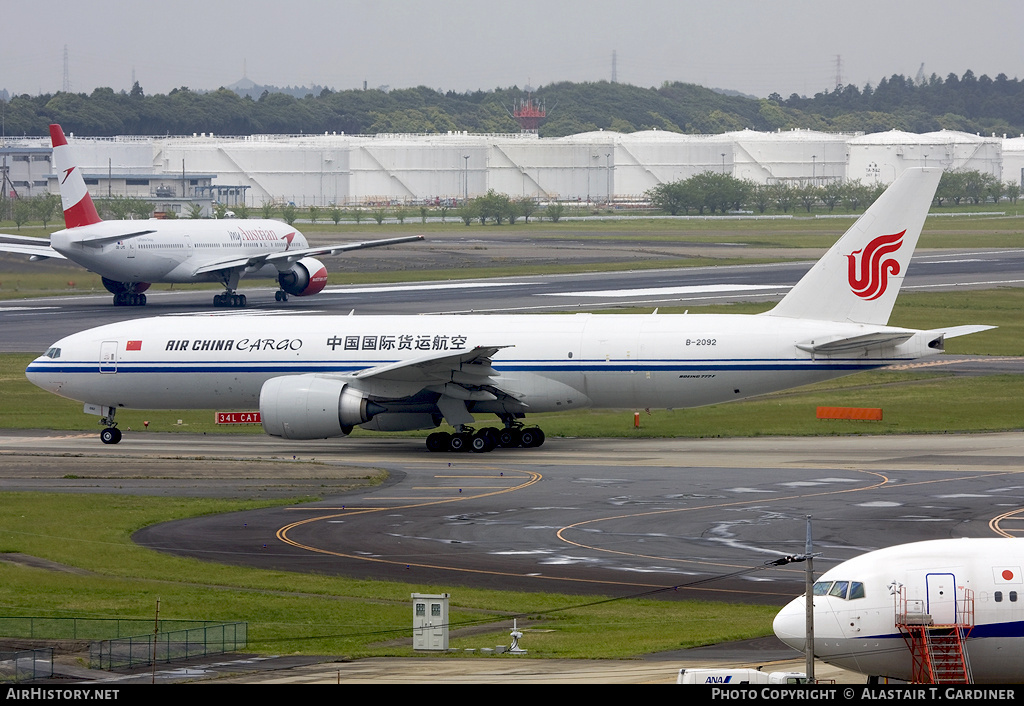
(872, 414)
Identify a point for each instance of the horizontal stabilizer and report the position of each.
(954, 331)
(861, 342)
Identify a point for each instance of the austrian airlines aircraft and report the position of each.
(131, 255)
(877, 613)
(318, 377)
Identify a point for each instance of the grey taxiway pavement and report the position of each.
(666, 517)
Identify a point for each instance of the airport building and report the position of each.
(384, 169)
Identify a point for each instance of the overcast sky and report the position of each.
(753, 46)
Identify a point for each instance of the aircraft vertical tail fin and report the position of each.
(858, 279)
(78, 206)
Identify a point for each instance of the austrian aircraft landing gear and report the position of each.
(486, 439)
(126, 293)
(281, 296)
(129, 299)
(229, 299)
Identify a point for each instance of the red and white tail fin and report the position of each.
(78, 207)
(858, 279)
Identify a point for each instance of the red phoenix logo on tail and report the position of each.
(869, 273)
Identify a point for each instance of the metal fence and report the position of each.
(141, 650)
(118, 643)
(24, 665)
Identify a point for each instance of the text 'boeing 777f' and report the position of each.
(941, 611)
(318, 377)
(132, 255)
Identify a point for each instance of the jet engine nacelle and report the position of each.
(312, 407)
(306, 276)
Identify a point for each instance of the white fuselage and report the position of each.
(176, 249)
(939, 579)
(550, 363)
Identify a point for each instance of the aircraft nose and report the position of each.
(790, 624)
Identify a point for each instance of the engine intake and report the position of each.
(305, 277)
(312, 407)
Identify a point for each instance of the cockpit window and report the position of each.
(52, 353)
(847, 590)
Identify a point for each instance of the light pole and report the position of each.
(608, 177)
(465, 177)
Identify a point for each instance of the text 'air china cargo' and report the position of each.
(318, 377)
(132, 255)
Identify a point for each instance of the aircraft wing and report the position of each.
(292, 255)
(39, 251)
(254, 262)
(466, 375)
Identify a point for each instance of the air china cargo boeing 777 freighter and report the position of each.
(319, 376)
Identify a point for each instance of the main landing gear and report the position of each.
(280, 296)
(129, 299)
(229, 299)
(486, 439)
(126, 293)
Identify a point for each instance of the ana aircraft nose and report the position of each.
(790, 624)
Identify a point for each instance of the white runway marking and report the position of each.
(422, 287)
(696, 289)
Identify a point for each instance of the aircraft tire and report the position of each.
(482, 442)
(458, 442)
(438, 441)
(532, 437)
(509, 438)
(110, 435)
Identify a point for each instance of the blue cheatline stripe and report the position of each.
(293, 367)
(1011, 629)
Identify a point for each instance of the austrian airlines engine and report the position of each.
(318, 377)
(131, 255)
(947, 610)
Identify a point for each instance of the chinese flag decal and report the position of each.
(133, 346)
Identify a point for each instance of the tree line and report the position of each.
(710, 193)
(966, 103)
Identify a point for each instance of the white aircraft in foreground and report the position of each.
(877, 613)
(319, 376)
(131, 255)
